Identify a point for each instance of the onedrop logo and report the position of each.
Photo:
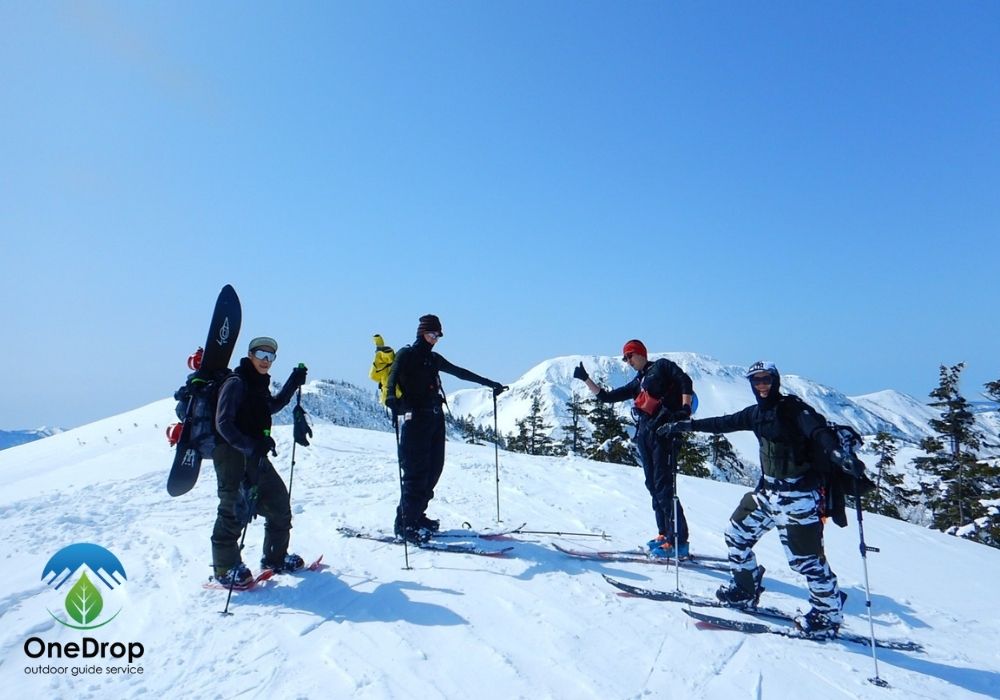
(84, 603)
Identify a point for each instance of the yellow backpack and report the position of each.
(382, 366)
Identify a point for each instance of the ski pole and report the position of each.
(496, 451)
(868, 593)
(402, 511)
(674, 448)
(251, 506)
(291, 473)
(603, 535)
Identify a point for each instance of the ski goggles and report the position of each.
(268, 355)
(434, 334)
(762, 380)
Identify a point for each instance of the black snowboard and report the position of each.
(197, 398)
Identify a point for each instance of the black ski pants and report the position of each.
(421, 459)
(232, 467)
(659, 458)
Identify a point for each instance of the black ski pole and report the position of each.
(496, 451)
(402, 511)
(251, 506)
(674, 449)
(291, 473)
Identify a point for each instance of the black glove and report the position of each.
(392, 403)
(245, 506)
(301, 430)
(498, 388)
(580, 373)
(682, 413)
(667, 429)
(848, 463)
(298, 376)
(263, 446)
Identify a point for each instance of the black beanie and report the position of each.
(429, 324)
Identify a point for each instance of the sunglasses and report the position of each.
(627, 356)
(264, 355)
(433, 334)
(765, 380)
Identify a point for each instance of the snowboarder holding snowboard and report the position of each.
(415, 373)
(788, 497)
(662, 392)
(248, 482)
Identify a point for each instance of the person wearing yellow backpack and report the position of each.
(415, 397)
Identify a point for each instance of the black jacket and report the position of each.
(245, 406)
(416, 372)
(663, 380)
(784, 429)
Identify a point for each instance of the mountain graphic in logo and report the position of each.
(83, 602)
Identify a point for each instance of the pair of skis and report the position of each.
(767, 613)
(436, 543)
(639, 555)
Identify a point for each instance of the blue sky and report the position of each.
(812, 183)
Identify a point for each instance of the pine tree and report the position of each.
(890, 492)
(729, 467)
(609, 440)
(575, 440)
(692, 457)
(533, 432)
(962, 481)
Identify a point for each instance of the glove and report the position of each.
(667, 429)
(245, 506)
(263, 446)
(848, 463)
(683, 413)
(498, 388)
(392, 403)
(580, 373)
(300, 430)
(298, 376)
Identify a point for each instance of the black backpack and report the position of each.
(196, 402)
(836, 481)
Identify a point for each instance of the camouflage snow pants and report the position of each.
(795, 512)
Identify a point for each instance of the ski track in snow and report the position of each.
(535, 624)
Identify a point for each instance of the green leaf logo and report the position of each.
(84, 602)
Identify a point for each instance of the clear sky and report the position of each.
(813, 183)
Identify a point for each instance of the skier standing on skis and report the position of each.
(662, 392)
(787, 497)
(421, 439)
(248, 482)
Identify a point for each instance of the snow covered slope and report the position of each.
(532, 625)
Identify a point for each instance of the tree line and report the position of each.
(954, 486)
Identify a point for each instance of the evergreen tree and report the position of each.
(890, 492)
(692, 457)
(533, 432)
(729, 467)
(962, 481)
(575, 440)
(609, 441)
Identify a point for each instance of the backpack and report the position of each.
(385, 356)
(197, 399)
(836, 481)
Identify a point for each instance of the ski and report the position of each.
(431, 545)
(468, 533)
(195, 438)
(214, 585)
(795, 633)
(696, 600)
(639, 556)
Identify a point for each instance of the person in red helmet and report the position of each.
(661, 392)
